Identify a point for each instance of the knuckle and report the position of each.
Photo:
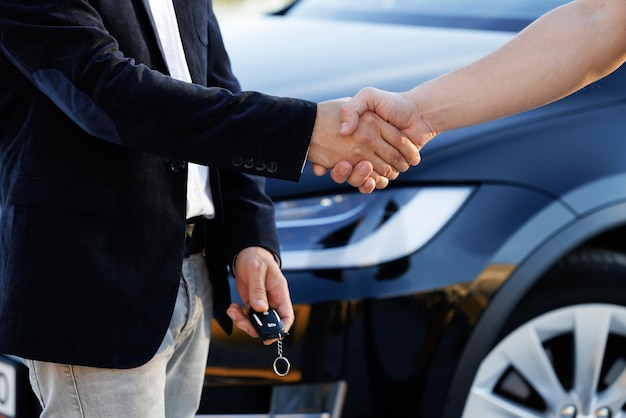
(382, 183)
(392, 174)
(368, 117)
(387, 171)
(399, 162)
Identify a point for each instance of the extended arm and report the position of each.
(560, 53)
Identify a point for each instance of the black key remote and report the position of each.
(268, 325)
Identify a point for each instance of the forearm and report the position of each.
(558, 54)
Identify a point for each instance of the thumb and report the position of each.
(349, 120)
(350, 111)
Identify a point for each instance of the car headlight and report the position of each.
(360, 230)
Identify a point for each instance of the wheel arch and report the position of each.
(599, 229)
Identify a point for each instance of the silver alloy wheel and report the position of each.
(568, 363)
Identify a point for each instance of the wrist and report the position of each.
(236, 256)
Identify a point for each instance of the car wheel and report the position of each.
(563, 351)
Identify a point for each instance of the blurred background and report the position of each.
(228, 9)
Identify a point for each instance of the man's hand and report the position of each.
(362, 175)
(388, 150)
(399, 109)
(260, 284)
(395, 108)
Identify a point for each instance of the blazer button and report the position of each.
(261, 165)
(248, 163)
(237, 161)
(177, 166)
(272, 167)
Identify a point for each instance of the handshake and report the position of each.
(379, 134)
(367, 140)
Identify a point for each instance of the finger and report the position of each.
(374, 182)
(258, 295)
(250, 277)
(319, 170)
(240, 320)
(373, 133)
(285, 311)
(351, 110)
(381, 181)
(396, 148)
(362, 171)
(341, 172)
(385, 168)
(368, 186)
(279, 298)
(401, 142)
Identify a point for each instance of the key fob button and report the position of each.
(268, 325)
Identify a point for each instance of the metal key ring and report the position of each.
(287, 366)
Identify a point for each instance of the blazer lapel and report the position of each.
(186, 27)
(192, 16)
(146, 5)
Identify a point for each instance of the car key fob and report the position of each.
(268, 325)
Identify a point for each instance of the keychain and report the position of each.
(280, 360)
(268, 325)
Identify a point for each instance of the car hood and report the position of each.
(324, 59)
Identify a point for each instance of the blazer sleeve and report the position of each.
(248, 214)
(66, 51)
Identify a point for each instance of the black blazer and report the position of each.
(93, 144)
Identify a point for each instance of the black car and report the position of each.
(489, 281)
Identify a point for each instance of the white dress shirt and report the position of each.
(199, 200)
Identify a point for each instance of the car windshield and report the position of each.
(477, 14)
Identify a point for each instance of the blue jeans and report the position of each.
(169, 385)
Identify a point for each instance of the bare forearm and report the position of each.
(558, 54)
